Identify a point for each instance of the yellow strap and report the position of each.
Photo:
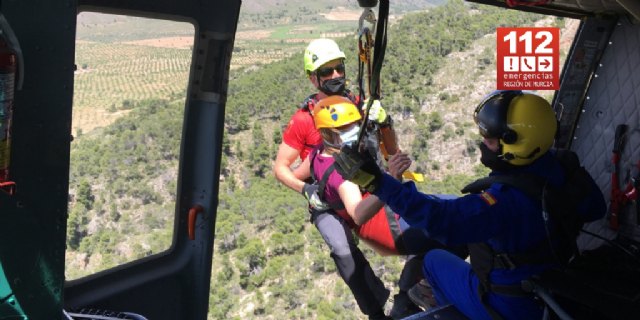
(417, 177)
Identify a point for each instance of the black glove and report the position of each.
(310, 191)
(358, 168)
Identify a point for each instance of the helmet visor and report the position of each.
(491, 114)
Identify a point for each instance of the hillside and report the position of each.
(439, 63)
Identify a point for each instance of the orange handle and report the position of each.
(193, 212)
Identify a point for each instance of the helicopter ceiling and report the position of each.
(572, 7)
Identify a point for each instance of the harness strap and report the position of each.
(530, 184)
(514, 290)
(482, 263)
(310, 101)
(492, 313)
(323, 181)
(393, 222)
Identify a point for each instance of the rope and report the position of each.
(379, 47)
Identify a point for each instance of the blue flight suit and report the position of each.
(502, 216)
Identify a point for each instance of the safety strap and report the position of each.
(310, 101)
(482, 264)
(393, 222)
(530, 184)
(323, 181)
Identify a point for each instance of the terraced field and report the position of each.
(111, 78)
(121, 60)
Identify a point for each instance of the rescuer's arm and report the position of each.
(398, 164)
(282, 168)
(302, 172)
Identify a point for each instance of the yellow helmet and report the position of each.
(335, 112)
(525, 123)
(319, 52)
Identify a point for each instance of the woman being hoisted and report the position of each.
(339, 121)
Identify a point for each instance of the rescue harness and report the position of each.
(382, 231)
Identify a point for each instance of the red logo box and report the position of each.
(528, 58)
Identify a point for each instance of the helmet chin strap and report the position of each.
(331, 144)
(510, 156)
(507, 156)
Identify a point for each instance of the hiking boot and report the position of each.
(422, 295)
(403, 306)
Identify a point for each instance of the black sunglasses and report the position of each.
(327, 71)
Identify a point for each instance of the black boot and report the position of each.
(403, 306)
(379, 315)
(422, 295)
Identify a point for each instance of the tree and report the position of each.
(76, 226)
(252, 255)
(84, 196)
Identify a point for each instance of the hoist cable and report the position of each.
(379, 47)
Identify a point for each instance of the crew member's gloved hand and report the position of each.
(377, 114)
(358, 168)
(310, 191)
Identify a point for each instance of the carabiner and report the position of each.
(369, 16)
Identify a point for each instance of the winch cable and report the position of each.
(379, 47)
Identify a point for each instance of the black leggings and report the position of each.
(353, 267)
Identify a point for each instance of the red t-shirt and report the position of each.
(301, 133)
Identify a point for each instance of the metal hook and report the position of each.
(369, 16)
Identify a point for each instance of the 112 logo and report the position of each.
(528, 58)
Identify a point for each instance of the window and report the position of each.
(129, 98)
